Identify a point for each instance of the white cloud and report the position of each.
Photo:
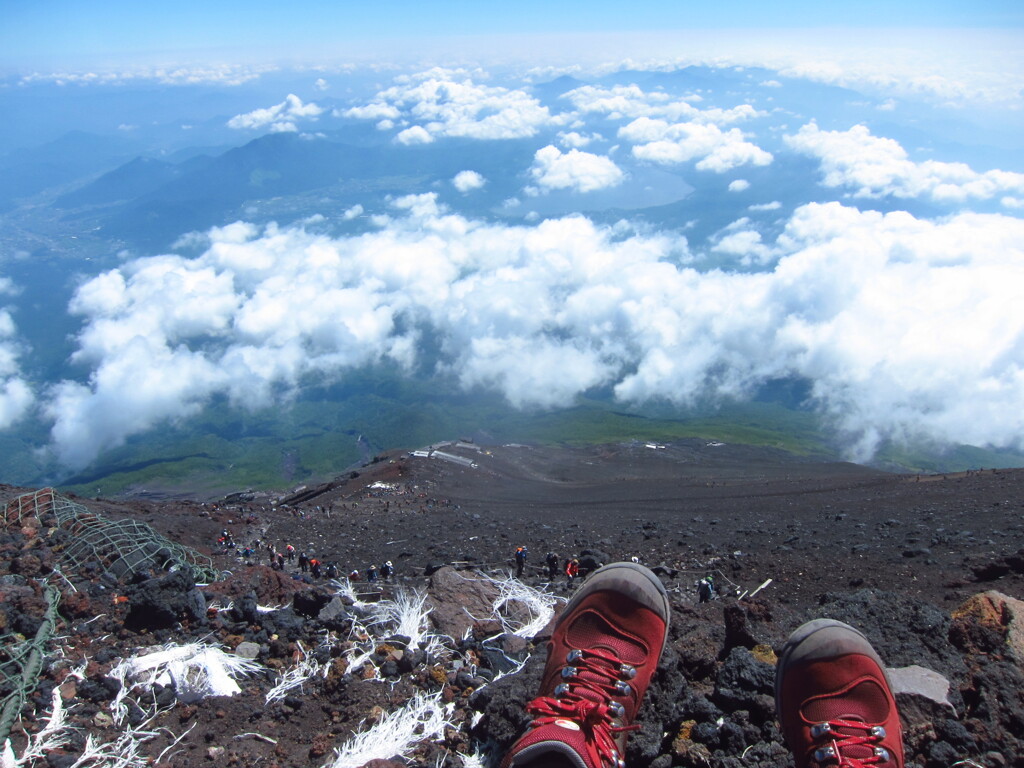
(914, 329)
(182, 75)
(904, 328)
(628, 101)
(16, 397)
(739, 185)
(575, 170)
(279, 118)
(443, 102)
(631, 102)
(774, 205)
(375, 111)
(953, 72)
(576, 140)
(321, 84)
(874, 166)
(741, 240)
(467, 181)
(951, 66)
(417, 134)
(672, 143)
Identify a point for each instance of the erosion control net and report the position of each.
(21, 661)
(122, 547)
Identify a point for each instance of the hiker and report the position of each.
(331, 571)
(289, 552)
(314, 567)
(572, 569)
(371, 573)
(303, 562)
(551, 561)
(520, 560)
(706, 589)
(280, 561)
(832, 698)
(387, 570)
(353, 575)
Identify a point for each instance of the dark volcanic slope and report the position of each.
(895, 555)
(752, 513)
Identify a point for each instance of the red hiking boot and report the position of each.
(834, 702)
(601, 657)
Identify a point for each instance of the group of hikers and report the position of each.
(571, 567)
(572, 570)
(314, 567)
(282, 558)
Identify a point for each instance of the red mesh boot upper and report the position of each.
(601, 658)
(840, 711)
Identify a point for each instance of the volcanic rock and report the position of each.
(990, 622)
(159, 603)
(457, 598)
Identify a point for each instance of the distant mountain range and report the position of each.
(73, 156)
(151, 202)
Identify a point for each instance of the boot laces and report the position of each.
(585, 696)
(855, 736)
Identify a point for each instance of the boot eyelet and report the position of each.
(568, 672)
(820, 729)
(627, 672)
(561, 689)
(825, 753)
(622, 688)
(878, 732)
(882, 754)
(616, 709)
(574, 655)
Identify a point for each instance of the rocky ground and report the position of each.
(931, 568)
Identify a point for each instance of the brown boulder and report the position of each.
(271, 587)
(990, 623)
(457, 601)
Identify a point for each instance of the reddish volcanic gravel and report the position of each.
(896, 555)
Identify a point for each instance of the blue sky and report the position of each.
(70, 32)
(821, 149)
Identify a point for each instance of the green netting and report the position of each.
(21, 661)
(79, 537)
(122, 547)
